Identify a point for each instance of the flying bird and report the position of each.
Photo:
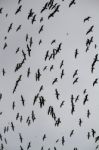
(90, 30)
(86, 19)
(18, 10)
(73, 2)
(95, 81)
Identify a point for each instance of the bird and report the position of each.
(93, 132)
(90, 30)
(75, 73)
(22, 100)
(52, 67)
(41, 29)
(85, 99)
(5, 46)
(54, 81)
(77, 98)
(44, 137)
(1, 10)
(13, 105)
(76, 80)
(63, 140)
(10, 27)
(95, 81)
(29, 145)
(96, 139)
(62, 73)
(3, 72)
(47, 55)
(17, 50)
(28, 72)
(45, 67)
(73, 2)
(44, 7)
(57, 94)
(28, 50)
(12, 126)
(80, 122)
(40, 41)
(27, 37)
(17, 83)
(88, 113)
(38, 75)
(53, 41)
(62, 103)
(0, 96)
(33, 19)
(41, 88)
(85, 90)
(18, 10)
(17, 116)
(31, 41)
(61, 64)
(72, 132)
(76, 53)
(21, 148)
(88, 135)
(20, 136)
(41, 19)
(30, 14)
(86, 19)
(18, 28)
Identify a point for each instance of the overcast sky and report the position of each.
(66, 27)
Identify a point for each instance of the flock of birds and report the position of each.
(39, 99)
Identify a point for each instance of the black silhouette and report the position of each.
(76, 80)
(20, 136)
(1, 10)
(85, 99)
(41, 19)
(42, 101)
(13, 105)
(31, 41)
(41, 29)
(17, 49)
(63, 140)
(87, 18)
(62, 73)
(47, 55)
(5, 45)
(96, 139)
(29, 50)
(35, 98)
(44, 7)
(18, 10)
(22, 100)
(27, 37)
(17, 116)
(21, 148)
(33, 116)
(80, 122)
(75, 73)
(3, 71)
(17, 82)
(95, 81)
(44, 68)
(52, 66)
(54, 81)
(73, 2)
(90, 30)
(19, 1)
(33, 19)
(72, 132)
(57, 94)
(62, 103)
(53, 42)
(61, 64)
(88, 113)
(29, 145)
(88, 135)
(77, 98)
(12, 126)
(93, 132)
(44, 137)
(0, 96)
(53, 13)
(40, 41)
(10, 27)
(28, 72)
(38, 75)
(76, 53)
(30, 14)
(18, 28)
(89, 41)
(41, 88)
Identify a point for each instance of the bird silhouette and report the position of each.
(41, 29)
(18, 28)
(17, 83)
(96, 139)
(1, 10)
(57, 94)
(22, 100)
(28, 72)
(93, 132)
(54, 81)
(90, 30)
(20, 136)
(95, 81)
(72, 132)
(86, 19)
(76, 53)
(18, 10)
(10, 27)
(75, 73)
(73, 2)
(76, 80)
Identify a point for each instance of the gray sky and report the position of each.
(66, 27)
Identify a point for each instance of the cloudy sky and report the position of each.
(68, 28)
